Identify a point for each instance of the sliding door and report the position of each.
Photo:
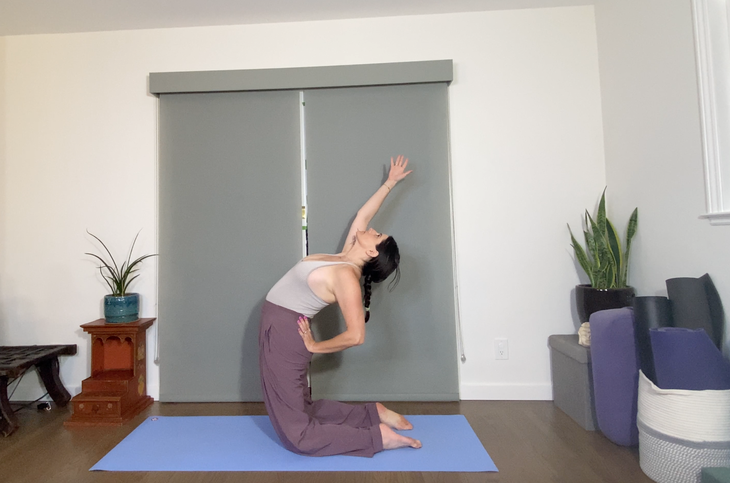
(410, 350)
(230, 227)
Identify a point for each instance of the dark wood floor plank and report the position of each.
(529, 441)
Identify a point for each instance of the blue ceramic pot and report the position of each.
(121, 309)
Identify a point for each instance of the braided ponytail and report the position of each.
(379, 268)
(367, 290)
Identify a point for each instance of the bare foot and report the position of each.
(393, 440)
(392, 419)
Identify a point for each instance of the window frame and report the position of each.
(712, 48)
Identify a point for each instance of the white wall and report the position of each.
(3, 202)
(527, 158)
(653, 144)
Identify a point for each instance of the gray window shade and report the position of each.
(230, 226)
(230, 223)
(410, 349)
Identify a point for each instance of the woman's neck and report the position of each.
(356, 255)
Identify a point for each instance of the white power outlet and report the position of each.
(501, 349)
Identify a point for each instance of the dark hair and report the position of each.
(379, 268)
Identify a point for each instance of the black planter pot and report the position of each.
(589, 299)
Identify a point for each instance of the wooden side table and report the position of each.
(117, 388)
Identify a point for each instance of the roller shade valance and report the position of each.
(397, 73)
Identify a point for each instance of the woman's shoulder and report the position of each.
(326, 257)
(338, 263)
(321, 257)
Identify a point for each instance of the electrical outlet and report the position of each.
(501, 349)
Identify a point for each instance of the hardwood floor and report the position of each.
(529, 441)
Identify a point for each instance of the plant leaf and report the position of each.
(114, 262)
(131, 268)
(603, 258)
(590, 239)
(580, 255)
(630, 232)
(106, 279)
(614, 245)
(131, 249)
(126, 285)
(601, 215)
(118, 278)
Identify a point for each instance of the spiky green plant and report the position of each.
(118, 277)
(606, 265)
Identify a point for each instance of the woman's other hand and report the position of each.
(398, 169)
(305, 332)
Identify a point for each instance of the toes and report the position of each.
(393, 440)
(401, 423)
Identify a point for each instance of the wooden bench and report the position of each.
(14, 360)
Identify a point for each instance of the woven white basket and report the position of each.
(671, 460)
(680, 432)
(691, 415)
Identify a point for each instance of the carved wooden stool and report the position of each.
(14, 360)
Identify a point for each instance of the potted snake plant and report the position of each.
(120, 306)
(605, 262)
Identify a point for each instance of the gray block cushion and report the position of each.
(615, 362)
(715, 475)
(567, 345)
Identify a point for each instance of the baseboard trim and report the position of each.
(387, 397)
(506, 392)
(468, 392)
(153, 390)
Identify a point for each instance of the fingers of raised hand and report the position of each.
(403, 167)
(398, 163)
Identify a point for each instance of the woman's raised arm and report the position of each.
(370, 208)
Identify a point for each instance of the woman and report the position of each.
(286, 345)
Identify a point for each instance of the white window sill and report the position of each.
(720, 218)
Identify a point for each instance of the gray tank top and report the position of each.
(294, 293)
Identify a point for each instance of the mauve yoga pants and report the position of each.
(312, 428)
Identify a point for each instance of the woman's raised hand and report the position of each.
(398, 169)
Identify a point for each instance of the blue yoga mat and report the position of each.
(248, 443)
